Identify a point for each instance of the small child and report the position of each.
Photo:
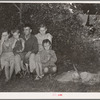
(47, 58)
(18, 47)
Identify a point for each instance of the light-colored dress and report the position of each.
(40, 39)
(7, 56)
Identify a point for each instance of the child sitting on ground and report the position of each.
(48, 59)
(18, 47)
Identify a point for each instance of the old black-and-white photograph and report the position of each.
(49, 47)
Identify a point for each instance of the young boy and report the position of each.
(47, 58)
(18, 47)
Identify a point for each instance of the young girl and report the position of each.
(7, 56)
(47, 59)
(42, 35)
(18, 47)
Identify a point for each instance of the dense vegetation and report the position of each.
(70, 38)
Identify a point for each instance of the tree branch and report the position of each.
(17, 7)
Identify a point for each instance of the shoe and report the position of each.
(41, 76)
(37, 78)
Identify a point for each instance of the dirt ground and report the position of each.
(28, 84)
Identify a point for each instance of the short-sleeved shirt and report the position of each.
(40, 39)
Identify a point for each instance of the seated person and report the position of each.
(18, 47)
(31, 48)
(7, 56)
(47, 59)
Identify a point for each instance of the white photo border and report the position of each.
(49, 95)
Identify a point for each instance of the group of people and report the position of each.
(27, 52)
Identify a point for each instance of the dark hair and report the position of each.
(3, 30)
(46, 41)
(42, 26)
(14, 30)
(27, 25)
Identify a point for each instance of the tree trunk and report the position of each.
(21, 13)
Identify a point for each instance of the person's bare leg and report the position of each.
(22, 66)
(37, 70)
(17, 63)
(11, 71)
(7, 73)
(40, 67)
(38, 63)
(32, 63)
(27, 68)
(5, 65)
(12, 63)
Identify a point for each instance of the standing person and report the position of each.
(18, 47)
(47, 59)
(43, 35)
(7, 56)
(31, 48)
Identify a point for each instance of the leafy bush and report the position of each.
(70, 38)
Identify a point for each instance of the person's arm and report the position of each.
(1, 47)
(23, 44)
(44, 58)
(1, 43)
(35, 47)
(53, 57)
(13, 45)
(50, 37)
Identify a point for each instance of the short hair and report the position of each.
(42, 26)
(4, 30)
(46, 41)
(27, 25)
(14, 30)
